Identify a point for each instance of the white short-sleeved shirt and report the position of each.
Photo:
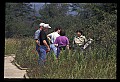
(53, 36)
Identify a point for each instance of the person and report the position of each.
(44, 44)
(62, 42)
(36, 37)
(79, 40)
(52, 37)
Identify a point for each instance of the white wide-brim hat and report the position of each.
(41, 24)
(46, 26)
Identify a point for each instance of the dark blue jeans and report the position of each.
(42, 54)
(59, 49)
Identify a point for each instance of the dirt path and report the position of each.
(10, 70)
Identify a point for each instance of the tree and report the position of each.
(53, 10)
(98, 21)
(16, 14)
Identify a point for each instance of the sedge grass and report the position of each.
(95, 64)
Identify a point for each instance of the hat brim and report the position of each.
(49, 27)
(41, 24)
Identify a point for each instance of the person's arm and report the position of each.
(67, 46)
(85, 39)
(43, 38)
(36, 36)
(73, 41)
(45, 43)
(37, 41)
(49, 36)
(56, 42)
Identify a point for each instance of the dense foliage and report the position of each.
(97, 20)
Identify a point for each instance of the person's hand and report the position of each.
(38, 49)
(67, 47)
(38, 43)
(56, 45)
(48, 49)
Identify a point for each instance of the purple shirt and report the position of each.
(62, 41)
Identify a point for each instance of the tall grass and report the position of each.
(11, 46)
(25, 55)
(96, 63)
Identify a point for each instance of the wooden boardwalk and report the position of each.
(10, 70)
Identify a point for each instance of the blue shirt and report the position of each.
(36, 37)
(37, 33)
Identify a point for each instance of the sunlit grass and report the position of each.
(11, 46)
(95, 64)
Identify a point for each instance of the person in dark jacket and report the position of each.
(44, 44)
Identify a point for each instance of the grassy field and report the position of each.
(98, 63)
(11, 46)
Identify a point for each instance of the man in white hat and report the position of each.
(36, 37)
(44, 44)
